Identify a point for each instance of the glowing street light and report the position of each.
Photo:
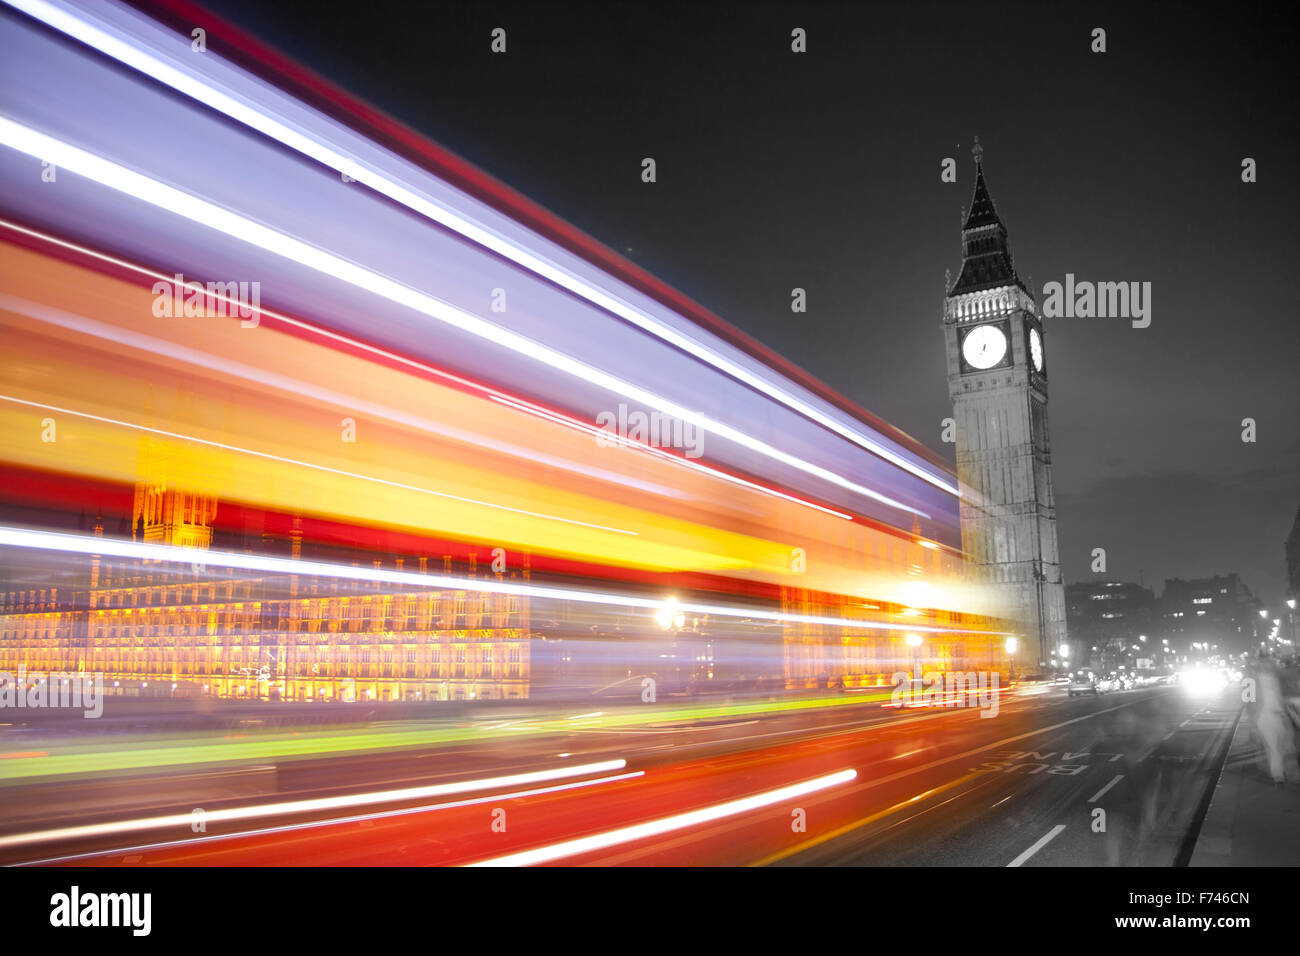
(670, 615)
(914, 640)
(1012, 644)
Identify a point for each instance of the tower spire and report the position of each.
(986, 253)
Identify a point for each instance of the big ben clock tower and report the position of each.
(997, 380)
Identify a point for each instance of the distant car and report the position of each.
(1033, 683)
(1034, 679)
(1081, 685)
(1107, 684)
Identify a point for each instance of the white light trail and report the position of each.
(469, 384)
(660, 453)
(113, 547)
(299, 463)
(680, 821)
(303, 389)
(168, 198)
(295, 138)
(337, 821)
(309, 806)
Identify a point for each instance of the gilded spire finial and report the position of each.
(977, 151)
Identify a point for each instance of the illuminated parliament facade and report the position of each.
(171, 629)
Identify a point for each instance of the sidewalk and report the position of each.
(1251, 821)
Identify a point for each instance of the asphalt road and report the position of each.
(1049, 780)
(1110, 781)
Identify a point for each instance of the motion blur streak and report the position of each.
(184, 82)
(684, 462)
(104, 172)
(681, 821)
(49, 541)
(362, 818)
(460, 381)
(355, 552)
(312, 806)
(308, 464)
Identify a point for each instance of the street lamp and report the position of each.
(670, 616)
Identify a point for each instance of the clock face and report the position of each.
(1036, 349)
(984, 347)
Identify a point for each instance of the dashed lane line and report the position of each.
(1042, 842)
(1102, 792)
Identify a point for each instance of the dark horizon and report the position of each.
(822, 171)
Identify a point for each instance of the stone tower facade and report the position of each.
(997, 380)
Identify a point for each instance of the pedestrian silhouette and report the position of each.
(1273, 724)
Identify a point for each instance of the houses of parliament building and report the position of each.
(169, 629)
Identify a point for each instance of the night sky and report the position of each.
(821, 170)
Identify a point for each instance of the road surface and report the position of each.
(1113, 780)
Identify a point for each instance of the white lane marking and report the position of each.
(1042, 842)
(310, 806)
(878, 781)
(1102, 792)
(680, 821)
